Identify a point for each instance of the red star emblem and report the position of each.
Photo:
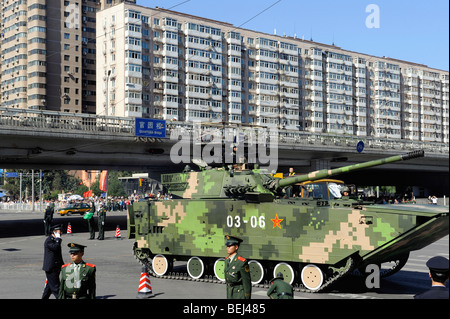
(277, 221)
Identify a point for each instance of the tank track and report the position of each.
(338, 274)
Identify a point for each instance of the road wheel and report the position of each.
(196, 268)
(161, 265)
(312, 277)
(287, 271)
(257, 272)
(219, 269)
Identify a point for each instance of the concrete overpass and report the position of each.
(49, 140)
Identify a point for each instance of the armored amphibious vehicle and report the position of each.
(313, 240)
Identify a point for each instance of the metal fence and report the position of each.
(22, 119)
(25, 207)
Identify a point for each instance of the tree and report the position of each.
(53, 183)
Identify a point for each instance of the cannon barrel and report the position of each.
(280, 183)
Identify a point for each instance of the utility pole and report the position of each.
(40, 188)
(32, 190)
(20, 194)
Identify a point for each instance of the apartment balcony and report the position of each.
(135, 87)
(205, 84)
(427, 77)
(170, 92)
(169, 53)
(169, 66)
(234, 99)
(198, 95)
(134, 34)
(129, 100)
(313, 77)
(216, 109)
(287, 84)
(133, 61)
(166, 40)
(204, 59)
(289, 51)
(217, 97)
(192, 45)
(261, 46)
(291, 95)
(234, 88)
(314, 98)
(260, 112)
(359, 65)
(128, 46)
(291, 116)
(167, 78)
(231, 40)
(267, 58)
(216, 74)
(267, 81)
(427, 112)
(190, 69)
(314, 67)
(170, 104)
(170, 117)
(267, 103)
(337, 61)
(129, 20)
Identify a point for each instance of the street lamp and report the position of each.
(107, 92)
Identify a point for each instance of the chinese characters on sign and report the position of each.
(150, 128)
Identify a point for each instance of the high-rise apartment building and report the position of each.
(48, 54)
(153, 62)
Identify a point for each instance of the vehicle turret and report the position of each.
(242, 183)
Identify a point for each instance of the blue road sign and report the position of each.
(150, 128)
(12, 174)
(16, 174)
(360, 147)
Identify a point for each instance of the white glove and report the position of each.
(57, 235)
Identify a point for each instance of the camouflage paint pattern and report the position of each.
(294, 230)
(243, 203)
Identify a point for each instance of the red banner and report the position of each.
(87, 194)
(104, 181)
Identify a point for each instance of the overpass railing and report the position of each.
(22, 119)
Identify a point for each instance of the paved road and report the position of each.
(118, 272)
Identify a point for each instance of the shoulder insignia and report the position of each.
(90, 265)
(242, 259)
(65, 265)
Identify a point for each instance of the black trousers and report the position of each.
(52, 286)
(91, 225)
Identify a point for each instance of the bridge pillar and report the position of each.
(320, 164)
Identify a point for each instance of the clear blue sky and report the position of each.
(410, 30)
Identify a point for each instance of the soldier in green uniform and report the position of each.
(77, 277)
(90, 220)
(101, 214)
(48, 218)
(280, 289)
(237, 271)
